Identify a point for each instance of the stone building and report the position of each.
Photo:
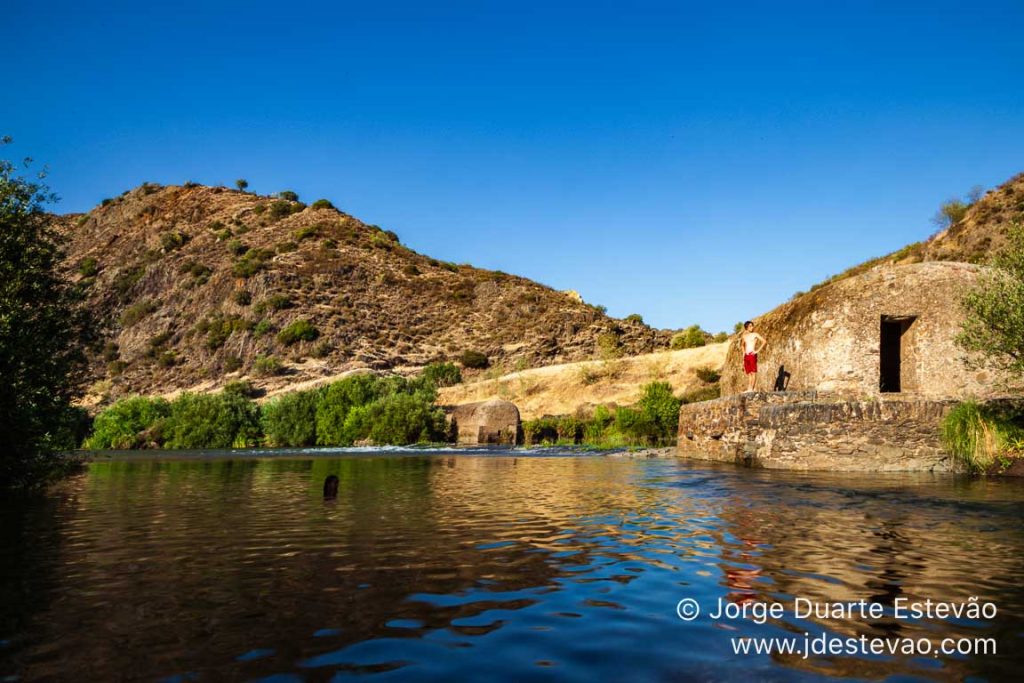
(889, 330)
(486, 422)
(857, 376)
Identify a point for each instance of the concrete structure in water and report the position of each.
(486, 422)
(858, 375)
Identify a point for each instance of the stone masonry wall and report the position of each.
(803, 431)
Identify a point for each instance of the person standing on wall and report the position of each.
(753, 344)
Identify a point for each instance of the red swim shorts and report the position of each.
(749, 363)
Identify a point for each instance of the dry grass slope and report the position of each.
(564, 389)
(196, 286)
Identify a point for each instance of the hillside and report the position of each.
(563, 389)
(973, 239)
(197, 286)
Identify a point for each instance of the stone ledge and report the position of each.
(810, 431)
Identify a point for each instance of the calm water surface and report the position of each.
(498, 566)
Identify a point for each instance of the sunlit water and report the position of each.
(496, 566)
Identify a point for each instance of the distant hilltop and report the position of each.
(196, 286)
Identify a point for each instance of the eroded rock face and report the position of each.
(890, 329)
(805, 431)
(486, 422)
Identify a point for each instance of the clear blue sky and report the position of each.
(691, 162)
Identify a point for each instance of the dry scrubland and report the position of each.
(562, 389)
(196, 286)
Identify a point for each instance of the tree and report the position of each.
(950, 213)
(242, 184)
(993, 326)
(42, 331)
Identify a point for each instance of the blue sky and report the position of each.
(691, 162)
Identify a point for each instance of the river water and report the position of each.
(500, 565)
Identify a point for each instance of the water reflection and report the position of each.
(445, 566)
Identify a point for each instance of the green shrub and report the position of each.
(252, 262)
(322, 204)
(167, 359)
(474, 359)
(307, 232)
(263, 328)
(232, 363)
(288, 195)
(282, 209)
(442, 375)
(609, 345)
(300, 330)
(290, 420)
(88, 267)
(218, 327)
(137, 312)
(224, 420)
(689, 338)
(338, 399)
(707, 375)
(635, 318)
(275, 302)
(237, 248)
(267, 366)
(286, 247)
(411, 270)
(129, 423)
(170, 241)
(980, 436)
(399, 418)
(243, 297)
(242, 184)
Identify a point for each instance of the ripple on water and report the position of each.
(439, 566)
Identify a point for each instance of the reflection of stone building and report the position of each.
(859, 374)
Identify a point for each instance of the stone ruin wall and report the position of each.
(828, 340)
(800, 430)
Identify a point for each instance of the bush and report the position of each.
(300, 330)
(263, 328)
(218, 327)
(252, 262)
(137, 312)
(275, 302)
(689, 338)
(474, 359)
(307, 232)
(980, 436)
(237, 248)
(442, 375)
(322, 204)
(170, 241)
(242, 184)
(282, 209)
(290, 420)
(243, 297)
(707, 375)
(338, 399)
(232, 363)
(288, 195)
(992, 329)
(224, 420)
(609, 345)
(635, 318)
(267, 366)
(129, 423)
(88, 267)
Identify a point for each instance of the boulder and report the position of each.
(486, 422)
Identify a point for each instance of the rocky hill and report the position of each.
(195, 286)
(972, 239)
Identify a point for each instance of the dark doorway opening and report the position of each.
(891, 351)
